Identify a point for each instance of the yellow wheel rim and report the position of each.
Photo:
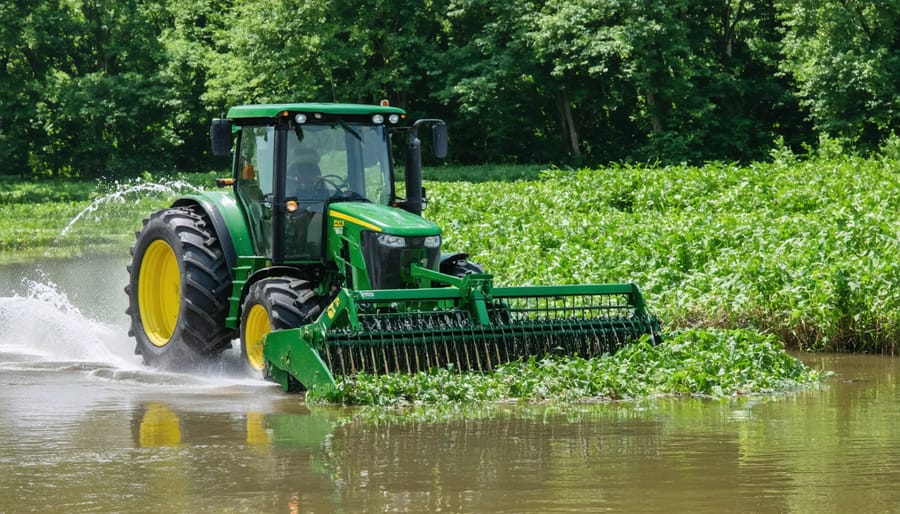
(255, 328)
(159, 292)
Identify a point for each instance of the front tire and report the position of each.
(273, 304)
(178, 290)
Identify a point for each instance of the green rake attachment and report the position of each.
(469, 325)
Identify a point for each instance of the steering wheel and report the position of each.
(335, 182)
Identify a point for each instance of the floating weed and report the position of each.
(712, 363)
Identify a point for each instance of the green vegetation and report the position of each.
(710, 363)
(119, 87)
(482, 173)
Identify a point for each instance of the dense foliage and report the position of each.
(118, 87)
(712, 363)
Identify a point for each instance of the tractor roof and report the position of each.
(272, 110)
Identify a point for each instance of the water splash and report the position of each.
(44, 325)
(123, 191)
(41, 329)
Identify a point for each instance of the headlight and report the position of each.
(433, 242)
(377, 119)
(394, 119)
(392, 241)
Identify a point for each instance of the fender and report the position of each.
(228, 222)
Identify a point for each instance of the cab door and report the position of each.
(255, 187)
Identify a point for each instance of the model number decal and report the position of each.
(332, 309)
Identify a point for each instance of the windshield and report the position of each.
(324, 160)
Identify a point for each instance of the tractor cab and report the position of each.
(315, 186)
(316, 163)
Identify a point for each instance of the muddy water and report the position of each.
(85, 427)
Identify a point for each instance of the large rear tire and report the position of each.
(273, 304)
(178, 290)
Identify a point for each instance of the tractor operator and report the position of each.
(306, 194)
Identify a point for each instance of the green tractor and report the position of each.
(315, 261)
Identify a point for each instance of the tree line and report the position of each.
(118, 87)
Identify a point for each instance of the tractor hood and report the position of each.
(380, 218)
(376, 245)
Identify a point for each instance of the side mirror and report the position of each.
(439, 139)
(220, 137)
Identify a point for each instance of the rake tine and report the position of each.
(393, 340)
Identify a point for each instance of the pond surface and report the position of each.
(85, 427)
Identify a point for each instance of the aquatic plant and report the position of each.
(714, 363)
